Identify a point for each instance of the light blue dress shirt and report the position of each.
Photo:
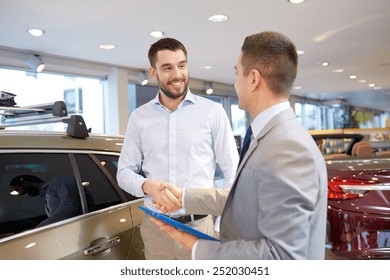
(180, 147)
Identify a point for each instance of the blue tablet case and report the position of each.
(176, 224)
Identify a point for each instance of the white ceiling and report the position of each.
(350, 34)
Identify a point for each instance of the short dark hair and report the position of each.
(164, 44)
(274, 56)
(18, 180)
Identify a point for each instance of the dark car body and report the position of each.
(358, 218)
(359, 208)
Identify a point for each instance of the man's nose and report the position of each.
(177, 72)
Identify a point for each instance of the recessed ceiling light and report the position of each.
(377, 87)
(156, 34)
(37, 32)
(324, 64)
(299, 52)
(295, 1)
(353, 77)
(371, 85)
(338, 70)
(206, 67)
(362, 81)
(297, 87)
(218, 18)
(107, 46)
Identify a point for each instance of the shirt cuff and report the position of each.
(193, 251)
(182, 200)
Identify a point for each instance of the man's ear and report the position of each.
(153, 73)
(255, 79)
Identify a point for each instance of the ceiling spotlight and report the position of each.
(218, 18)
(107, 46)
(36, 63)
(296, 1)
(142, 78)
(156, 34)
(37, 32)
(208, 88)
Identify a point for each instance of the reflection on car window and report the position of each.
(61, 195)
(19, 213)
(23, 212)
(110, 162)
(96, 182)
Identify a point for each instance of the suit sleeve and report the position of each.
(205, 201)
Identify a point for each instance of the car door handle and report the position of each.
(360, 188)
(103, 247)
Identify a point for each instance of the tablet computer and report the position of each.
(176, 224)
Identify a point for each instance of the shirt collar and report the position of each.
(189, 98)
(264, 117)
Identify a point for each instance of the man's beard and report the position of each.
(170, 94)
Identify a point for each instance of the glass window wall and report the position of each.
(83, 96)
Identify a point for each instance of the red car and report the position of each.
(358, 202)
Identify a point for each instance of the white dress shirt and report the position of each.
(180, 147)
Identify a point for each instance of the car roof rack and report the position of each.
(42, 114)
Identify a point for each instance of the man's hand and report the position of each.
(185, 239)
(177, 192)
(162, 195)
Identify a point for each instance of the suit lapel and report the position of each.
(282, 116)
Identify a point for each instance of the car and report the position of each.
(358, 217)
(106, 229)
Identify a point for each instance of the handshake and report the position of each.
(165, 196)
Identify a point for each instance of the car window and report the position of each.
(22, 212)
(110, 162)
(97, 184)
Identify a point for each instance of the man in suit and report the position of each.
(276, 208)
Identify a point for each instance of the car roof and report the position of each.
(18, 139)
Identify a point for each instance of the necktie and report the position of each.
(245, 145)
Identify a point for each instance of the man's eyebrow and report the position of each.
(166, 64)
(170, 64)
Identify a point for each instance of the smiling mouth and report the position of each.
(176, 83)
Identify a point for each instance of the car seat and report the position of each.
(362, 149)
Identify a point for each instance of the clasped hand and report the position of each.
(165, 196)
